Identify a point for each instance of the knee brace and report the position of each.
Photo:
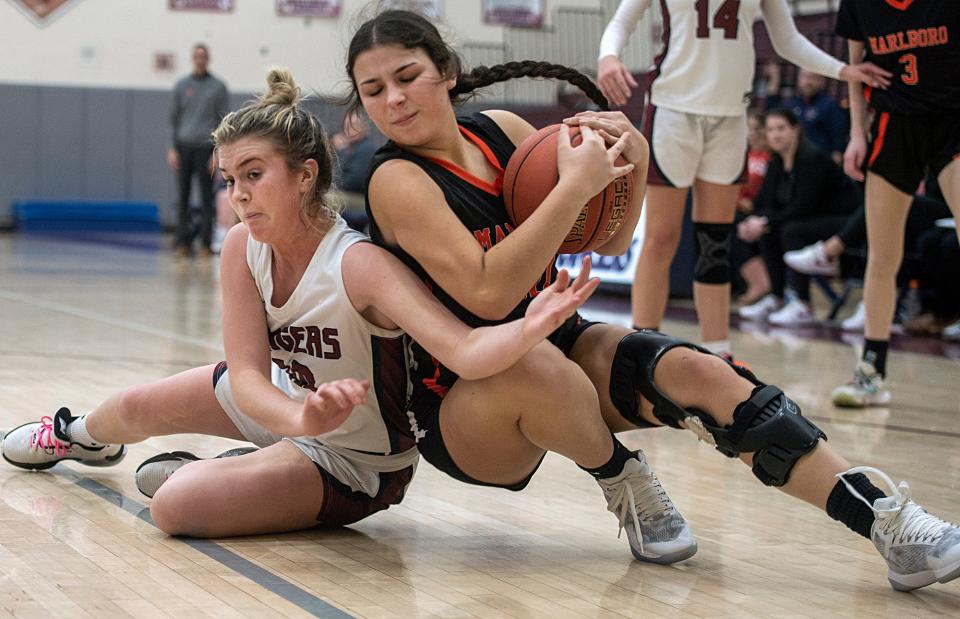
(768, 423)
(713, 260)
(631, 375)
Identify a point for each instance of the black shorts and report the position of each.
(426, 411)
(905, 149)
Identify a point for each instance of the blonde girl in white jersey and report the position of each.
(312, 323)
(696, 126)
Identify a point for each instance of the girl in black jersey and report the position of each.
(434, 199)
(915, 131)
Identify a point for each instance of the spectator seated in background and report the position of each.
(355, 145)
(805, 197)
(824, 257)
(752, 282)
(825, 123)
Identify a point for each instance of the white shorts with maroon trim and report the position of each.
(685, 147)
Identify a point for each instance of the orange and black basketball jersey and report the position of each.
(478, 204)
(918, 41)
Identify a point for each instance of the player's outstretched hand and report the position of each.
(868, 73)
(558, 301)
(331, 404)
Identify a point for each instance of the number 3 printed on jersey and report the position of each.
(724, 19)
(910, 76)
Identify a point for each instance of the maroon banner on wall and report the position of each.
(309, 8)
(518, 13)
(39, 10)
(216, 6)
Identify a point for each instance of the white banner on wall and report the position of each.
(616, 270)
(309, 8)
(523, 13)
(217, 6)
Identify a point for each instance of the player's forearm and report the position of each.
(621, 26)
(793, 46)
(486, 351)
(264, 403)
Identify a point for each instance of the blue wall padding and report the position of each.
(76, 215)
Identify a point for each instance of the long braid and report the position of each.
(484, 76)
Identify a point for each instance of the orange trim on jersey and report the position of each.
(900, 5)
(881, 134)
(867, 93)
(433, 384)
(495, 188)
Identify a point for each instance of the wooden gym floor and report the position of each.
(82, 318)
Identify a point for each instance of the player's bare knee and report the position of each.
(175, 505)
(549, 371)
(884, 263)
(171, 512)
(683, 373)
(661, 246)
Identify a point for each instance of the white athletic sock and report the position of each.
(77, 431)
(718, 347)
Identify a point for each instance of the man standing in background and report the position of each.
(199, 102)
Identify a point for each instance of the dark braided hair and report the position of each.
(412, 31)
(484, 76)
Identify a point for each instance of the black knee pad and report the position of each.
(631, 375)
(769, 425)
(713, 260)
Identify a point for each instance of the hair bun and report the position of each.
(283, 90)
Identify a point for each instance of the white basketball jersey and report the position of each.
(317, 336)
(707, 62)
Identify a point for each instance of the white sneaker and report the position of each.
(812, 260)
(761, 309)
(866, 389)
(153, 472)
(856, 320)
(952, 331)
(920, 549)
(794, 314)
(41, 444)
(655, 528)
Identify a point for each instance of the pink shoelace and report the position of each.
(44, 438)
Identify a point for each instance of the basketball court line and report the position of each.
(43, 354)
(885, 427)
(253, 572)
(107, 320)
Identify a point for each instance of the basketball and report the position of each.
(532, 173)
